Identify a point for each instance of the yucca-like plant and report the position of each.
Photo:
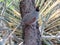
(10, 19)
(49, 20)
(49, 15)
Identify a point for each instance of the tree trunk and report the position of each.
(31, 34)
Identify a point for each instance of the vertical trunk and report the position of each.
(31, 32)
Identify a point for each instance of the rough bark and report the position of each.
(31, 34)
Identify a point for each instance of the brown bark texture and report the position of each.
(31, 34)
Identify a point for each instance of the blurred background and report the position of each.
(10, 22)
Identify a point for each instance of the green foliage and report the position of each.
(49, 17)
